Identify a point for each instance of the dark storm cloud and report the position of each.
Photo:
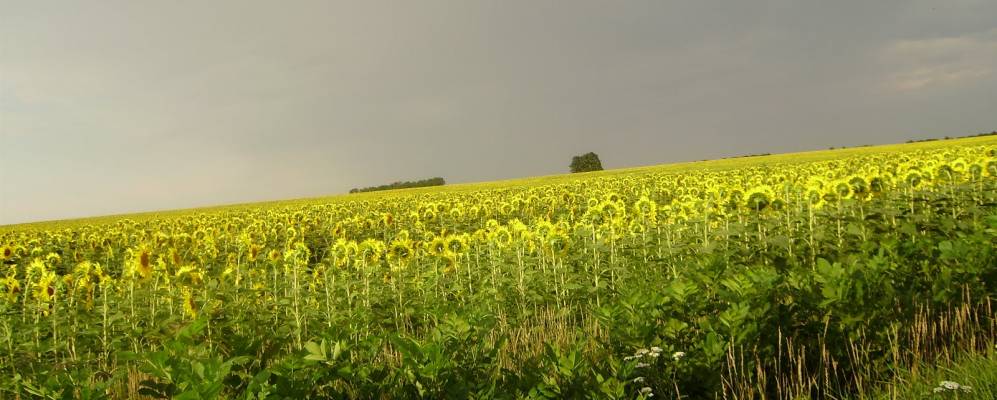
(111, 107)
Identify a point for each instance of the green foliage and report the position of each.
(402, 185)
(185, 368)
(587, 162)
(678, 285)
(974, 377)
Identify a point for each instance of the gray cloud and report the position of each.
(942, 61)
(124, 106)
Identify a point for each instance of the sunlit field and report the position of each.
(829, 274)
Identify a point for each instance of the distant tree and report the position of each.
(586, 162)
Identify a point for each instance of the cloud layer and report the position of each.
(121, 106)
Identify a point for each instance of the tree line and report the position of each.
(402, 185)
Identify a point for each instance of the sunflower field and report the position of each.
(767, 278)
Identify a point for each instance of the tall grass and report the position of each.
(953, 344)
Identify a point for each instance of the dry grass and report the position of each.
(797, 372)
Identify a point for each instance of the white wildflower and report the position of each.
(953, 386)
(949, 385)
(678, 355)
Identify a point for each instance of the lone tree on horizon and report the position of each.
(586, 163)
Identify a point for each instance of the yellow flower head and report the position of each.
(559, 243)
(860, 186)
(456, 244)
(437, 246)
(759, 198)
(646, 208)
(254, 252)
(370, 250)
(501, 237)
(45, 288)
(913, 178)
(400, 251)
(274, 255)
(12, 286)
(189, 307)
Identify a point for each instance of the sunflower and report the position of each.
(337, 230)
(429, 214)
(501, 237)
(612, 210)
(53, 258)
(192, 273)
(141, 262)
(913, 178)
(860, 186)
(480, 236)
(879, 184)
(636, 228)
(400, 251)
(842, 189)
(318, 274)
(975, 170)
(189, 307)
(254, 252)
(449, 263)
(437, 246)
(6, 252)
(543, 228)
(175, 256)
(594, 216)
(44, 289)
(559, 243)
(341, 251)
(959, 165)
(813, 195)
(12, 286)
(945, 172)
(456, 244)
(370, 250)
(733, 199)
(298, 254)
(518, 228)
(759, 198)
(645, 208)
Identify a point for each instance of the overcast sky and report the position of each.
(121, 106)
